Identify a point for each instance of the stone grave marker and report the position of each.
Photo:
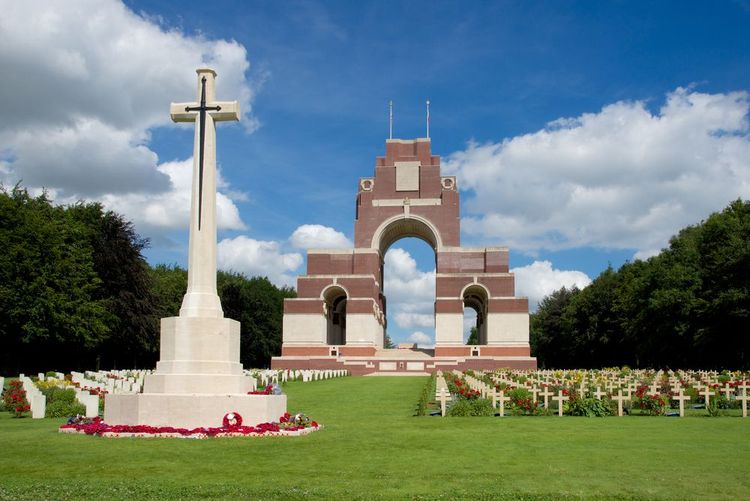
(545, 395)
(707, 394)
(443, 396)
(560, 397)
(620, 398)
(681, 398)
(743, 397)
(599, 393)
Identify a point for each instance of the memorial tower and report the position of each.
(338, 318)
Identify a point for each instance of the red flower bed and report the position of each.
(99, 428)
(14, 399)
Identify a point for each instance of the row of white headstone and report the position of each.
(265, 377)
(109, 381)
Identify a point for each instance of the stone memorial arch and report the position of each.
(339, 316)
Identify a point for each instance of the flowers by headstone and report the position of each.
(15, 400)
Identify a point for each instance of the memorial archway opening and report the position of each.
(409, 292)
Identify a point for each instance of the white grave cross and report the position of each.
(681, 398)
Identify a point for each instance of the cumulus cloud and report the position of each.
(170, 209)
(258, 258)
(539, 279)
(409, 291)
(422, 340)
(316, 236)
(81, 94)
(624, 178)
(406, 319)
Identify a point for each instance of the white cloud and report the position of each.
(539, 279)
(171, 209)
(316, 236)
(422, 339)
(83, 83)
(406, 320)
(621, 178)
(258, 258)
(410, 292)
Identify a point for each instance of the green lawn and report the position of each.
(372, 447)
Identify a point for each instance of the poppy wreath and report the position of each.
(232, 420)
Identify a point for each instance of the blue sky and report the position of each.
(582, 133)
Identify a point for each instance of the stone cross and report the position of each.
(546, 394)
(534, 391)
(620, 398)
(502, 399)
(707, 394)
(654, 388)
(560, 399)
(681, 398)
(443, 395)
(201, 298)
(743, 397)
(727, 390)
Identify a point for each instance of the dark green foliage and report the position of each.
(473, 407)
(48, 285)
(125, 287)
(57, 394)
(589, 407)
(169, 286)
(258, 305)
(61, 402)
(388, 343)
(473, 337)
(428, 390)
(689, 306)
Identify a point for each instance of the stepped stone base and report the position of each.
(191, 411)
(198, 380)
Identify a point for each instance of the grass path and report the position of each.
(372, 447)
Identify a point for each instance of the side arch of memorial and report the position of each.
(407, 197)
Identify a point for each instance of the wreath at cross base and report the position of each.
(232, 420)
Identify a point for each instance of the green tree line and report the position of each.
(688, 306)
(76, 292)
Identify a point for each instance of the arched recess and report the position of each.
(476, 296)
(335, 298)
(402, 226)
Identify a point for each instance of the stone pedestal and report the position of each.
(192, 411)
(198, 380)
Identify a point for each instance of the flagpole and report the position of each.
(428, 119)
(390, 119)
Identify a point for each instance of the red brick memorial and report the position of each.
(338, 319)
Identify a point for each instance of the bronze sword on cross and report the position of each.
(202, 109)
(205, 107)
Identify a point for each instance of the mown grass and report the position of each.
(372, 447)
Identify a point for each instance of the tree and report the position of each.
(388, 342)
(548, 332)
(169, 287)
(473, 337)
(258, 305)
(724, 256)
(126, 287)
(688, 306)
(50, 313)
